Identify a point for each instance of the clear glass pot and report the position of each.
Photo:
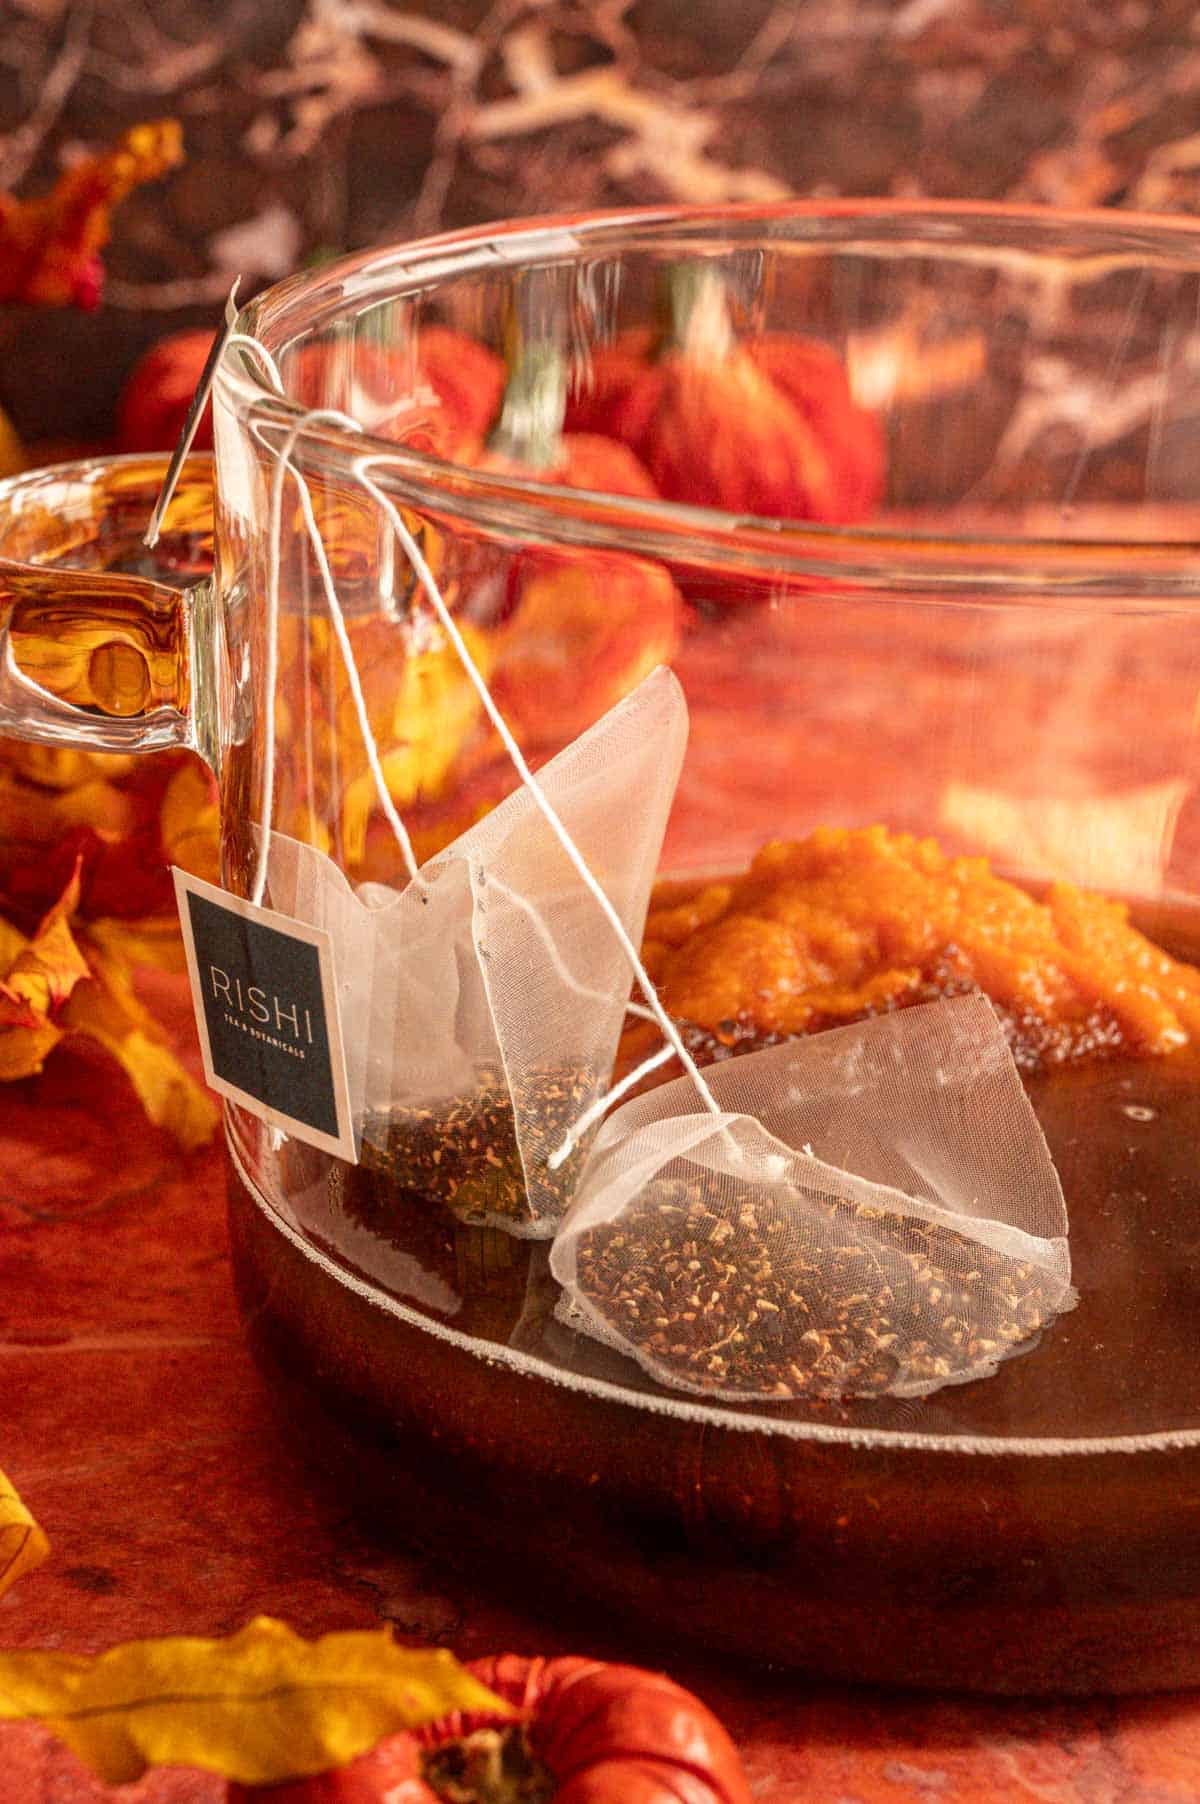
(1000, 653)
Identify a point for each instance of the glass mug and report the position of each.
(1004, 655)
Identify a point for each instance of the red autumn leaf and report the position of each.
(121, 875)
(50, 246)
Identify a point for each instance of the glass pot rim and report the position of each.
(861, 557)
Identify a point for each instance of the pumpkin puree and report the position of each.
(848, 923)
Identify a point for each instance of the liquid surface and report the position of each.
(1125, 1362)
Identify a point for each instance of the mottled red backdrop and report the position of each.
(319, 125)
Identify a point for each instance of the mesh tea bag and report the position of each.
(874, 1210)
(482, 1005)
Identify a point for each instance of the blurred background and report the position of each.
(318, 126)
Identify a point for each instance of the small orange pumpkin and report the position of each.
(762, 425)
(594, 1733)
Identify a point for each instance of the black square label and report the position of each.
(266, 1010)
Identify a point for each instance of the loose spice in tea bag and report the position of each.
(482, 1005)
(873, 1211)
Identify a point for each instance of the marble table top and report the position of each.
(136, 1427)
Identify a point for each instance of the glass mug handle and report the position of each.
(104, 657)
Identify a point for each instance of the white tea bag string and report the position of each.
(283, 464)
(330, 416)
(923, 1242)
(552, 953)
(579, 864)
(607, 1100)
(334, 416)
(675, 1046)
(191, 424)
(390, 811)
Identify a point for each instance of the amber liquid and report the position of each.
(1003, 1535)
(95, 618)
(1122, 1133)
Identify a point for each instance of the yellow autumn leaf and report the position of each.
(45, 972)
(109, 1011)
(433, 710)
(189, 822)
(171, 1098)
(22, 1543)
(40, 817)
(262, 1707)
(24, 1048)
(37, 977)
(64, 767)
(12, 943)
(306, 825)
(154, 940)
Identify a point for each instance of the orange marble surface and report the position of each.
(135, 1425)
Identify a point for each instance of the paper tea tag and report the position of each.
(266, 1011)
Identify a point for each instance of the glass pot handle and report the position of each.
(106, 662)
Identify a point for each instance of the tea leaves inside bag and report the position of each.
(876, 1212)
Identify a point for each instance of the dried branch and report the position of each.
(21, 146)
(1169, 169)
(371, 19)
(167, 297)
(457, 111)
(167, 75)
(664, 140)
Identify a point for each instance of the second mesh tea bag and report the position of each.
(873, 1210)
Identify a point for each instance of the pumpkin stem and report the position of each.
(529, 430)
(491, 1766)
(698, 312)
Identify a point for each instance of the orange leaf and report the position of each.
(22, 1543)
(12, 942)
(189, 822)
(50, 247)
(108, 1011)
(38, 817)
(24, 1048)
(262, 1706)
(45, 972)
(81, 981)
(62, 766)
(155, 941)
(171, 1098)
